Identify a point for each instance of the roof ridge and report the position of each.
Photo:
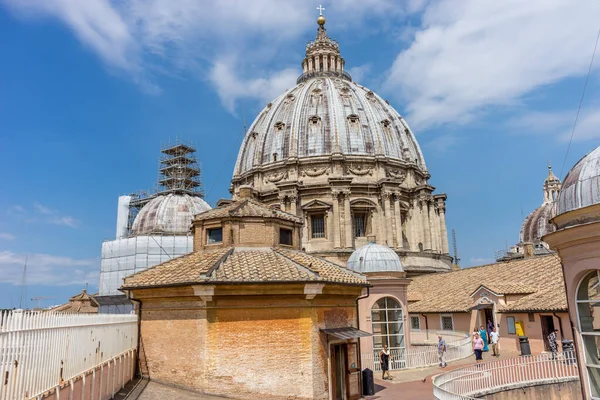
(297, 264)
(207, 275)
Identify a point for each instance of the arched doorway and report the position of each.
(588, 312)
(387, 325)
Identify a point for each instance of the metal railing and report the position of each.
(40, 350)
(423, 351)
(477, 380)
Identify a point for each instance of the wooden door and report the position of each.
(338, 372)
(547, 328)
(353, 372)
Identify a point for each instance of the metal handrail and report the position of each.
(476, 380)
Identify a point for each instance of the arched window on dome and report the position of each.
(355, 134)
(388, 327)
(588, 311)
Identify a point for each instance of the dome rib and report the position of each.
(168, 214)
(333, 104)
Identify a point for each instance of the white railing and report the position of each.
(477, 380)
(423, 351)
(40, 350)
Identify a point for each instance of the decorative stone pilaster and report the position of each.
(335, 196)
(347, 219)
(398, 220)
(424, 205)
(443, 229)
(389, 234)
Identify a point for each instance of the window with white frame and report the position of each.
(588, 311)
(388, 327)
(510, 325)
(447, 323)
(415, 322)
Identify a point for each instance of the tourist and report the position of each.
(442, 351)
(553, 344)
(478, 347)
(494, 341)
(490, 329)
(384, 359)
(483, 336)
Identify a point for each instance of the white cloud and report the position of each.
(6, 236)
(144, 38)
(42, 213)
(559, 123)
(473, 54)
(359, 72)
(46, 269)
(42, 209)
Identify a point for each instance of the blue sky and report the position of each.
(90, 90)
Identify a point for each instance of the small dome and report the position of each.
(581, 187)
(537, 224)
(169, 214)
(374, 257)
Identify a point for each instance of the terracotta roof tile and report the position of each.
(451, 292)
(246, 208)
(180, 270)
(243, 265)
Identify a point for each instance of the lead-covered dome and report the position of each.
(326, 114)
(537, 224)
(374, 257)
(581, 187)
(170, 214)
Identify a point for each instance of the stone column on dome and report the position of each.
(443, 230)
(335, 222)
(325, 62)
(347, 218)
(424, 202)
(434, 227)
(293, 203)
(282, 202)
(379, 224)
(305, 231)
(389, 235)
(415, 232)
(398, 219)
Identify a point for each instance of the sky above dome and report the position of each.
(89, 90)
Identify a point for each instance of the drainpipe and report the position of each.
(358, 327)
(138, 371)
(426, 327)
(559, 325)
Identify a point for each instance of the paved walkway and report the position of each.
(156, 391)
(417, 384)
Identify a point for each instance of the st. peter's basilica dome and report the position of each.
(341, 157)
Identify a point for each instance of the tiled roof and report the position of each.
(509, 288)
(243, 265)
(539, 278)
(246, 208)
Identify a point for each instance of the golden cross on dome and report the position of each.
(320, 8)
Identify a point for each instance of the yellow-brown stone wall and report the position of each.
(172, 342)
(264, 352)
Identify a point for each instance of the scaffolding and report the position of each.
(179, 170)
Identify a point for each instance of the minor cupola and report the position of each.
(374, 258)
(323, 56)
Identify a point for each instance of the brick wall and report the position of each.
(268, 348)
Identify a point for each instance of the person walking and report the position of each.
(384, 359)
(478, 348)
(483, 336)
(442, 351)
(494, 336)
(553, 344)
